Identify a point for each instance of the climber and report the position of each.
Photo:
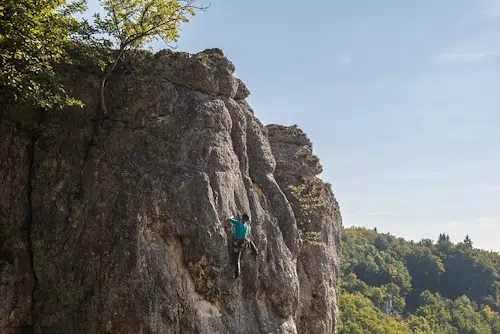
(241, 229)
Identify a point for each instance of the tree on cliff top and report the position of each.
(37, 36)
(135, 23)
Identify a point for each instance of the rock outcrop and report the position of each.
(117, 223)
(318, 218)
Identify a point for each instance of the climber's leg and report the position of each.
(237, 264)
(237, 248)
(252, 246)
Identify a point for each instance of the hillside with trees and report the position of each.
(390, 285)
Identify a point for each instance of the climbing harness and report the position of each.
(240, 244)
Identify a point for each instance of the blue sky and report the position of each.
(400, 98)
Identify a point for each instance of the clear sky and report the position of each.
(400, 98)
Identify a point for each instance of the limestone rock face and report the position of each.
(117, 223)
(318, 218)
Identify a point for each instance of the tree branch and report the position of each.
(150, 31)
(108, 72)
(128, 41)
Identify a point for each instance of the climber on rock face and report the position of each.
(241, 229)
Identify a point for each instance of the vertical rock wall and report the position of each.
(117, 224)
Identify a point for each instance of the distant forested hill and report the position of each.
(390, 285)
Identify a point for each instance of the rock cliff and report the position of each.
(117, 223)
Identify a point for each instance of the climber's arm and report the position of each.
(232, 220)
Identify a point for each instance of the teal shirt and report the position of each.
(240, 229)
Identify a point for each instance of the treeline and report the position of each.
(390, 285)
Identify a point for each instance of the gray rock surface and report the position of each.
(118, 224)
(318, 219)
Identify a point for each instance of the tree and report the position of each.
(444, 244)
(466, 319)
(359, 315)
(426, 243)
(382, 242)
(426, 270)
(35, 37)
(135, 23)
(418, 324)
(468, 241)
(443, 238)
(433, 288)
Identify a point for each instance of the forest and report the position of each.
(390, 285)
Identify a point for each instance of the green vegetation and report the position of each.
(313, 239)
(308, 199)
(135, 23)
(35, 37)
(390, 285)
(38, 38)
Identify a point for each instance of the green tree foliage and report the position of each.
(425, 269)
(134, 23)
(307, 199)
(468, 241)
(371, 265)
(35, 37)
(38, 37)
(432, 287)
(359, 316)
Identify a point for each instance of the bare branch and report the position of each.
(143, 14)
